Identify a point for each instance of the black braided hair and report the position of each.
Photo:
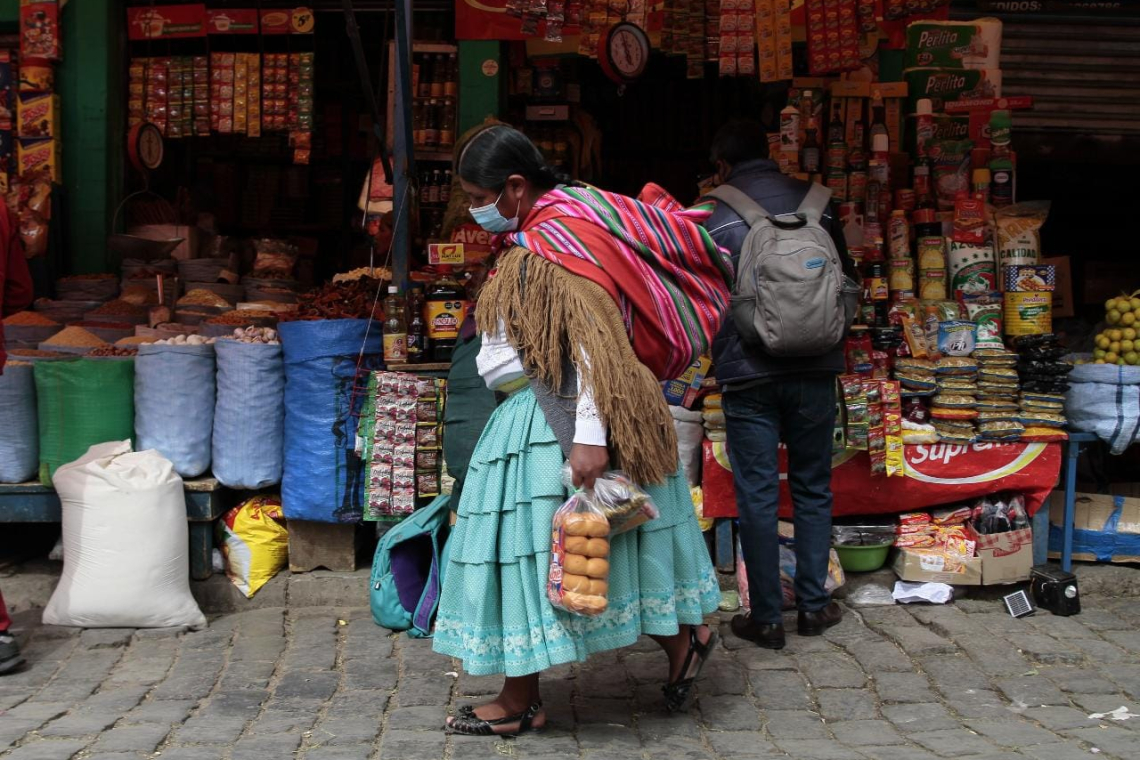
(499, 151)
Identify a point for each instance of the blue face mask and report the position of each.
(489, 218)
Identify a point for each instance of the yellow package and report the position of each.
(706, 523)
(254, 542)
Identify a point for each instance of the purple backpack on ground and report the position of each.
(407, 571)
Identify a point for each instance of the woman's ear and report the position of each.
(516, 188)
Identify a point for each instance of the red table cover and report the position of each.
(935, 474)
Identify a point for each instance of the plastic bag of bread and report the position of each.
(578, 581)
(624, 503)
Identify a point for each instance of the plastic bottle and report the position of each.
(982, 184)
(790, 130)
(1001, 161)
(451, 81)
(880, 166)
(438, 80)
(877, 282)
(445, 188)
(395, 328)
(447, 124)
(809, 156)
(431, 122)
(417, 328)
(923, 126)
(444, 311)
(898, 235)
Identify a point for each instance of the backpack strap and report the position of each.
(736, 199)
(815, 203)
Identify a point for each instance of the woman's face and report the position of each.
(513, 201)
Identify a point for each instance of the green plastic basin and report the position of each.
(863, 559)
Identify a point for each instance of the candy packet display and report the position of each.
(578, 580)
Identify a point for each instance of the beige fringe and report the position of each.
(562, 315)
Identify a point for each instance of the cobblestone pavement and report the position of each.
(958, 682)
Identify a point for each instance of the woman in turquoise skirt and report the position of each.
(555, 348)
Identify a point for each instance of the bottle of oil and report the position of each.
(395, 328)
(444, 311)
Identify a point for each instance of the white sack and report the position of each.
(125, 543)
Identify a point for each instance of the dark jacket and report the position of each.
(15, 281)
(779, 194)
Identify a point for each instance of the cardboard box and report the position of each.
(37, 115)
(1005, 557)
(684, 390)
(39, 153)
(921, 567)
(1063, 305)
(1106, 527)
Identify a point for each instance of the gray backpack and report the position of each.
(792, 297)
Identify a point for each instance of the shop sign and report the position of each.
(297, 21)
(232, 21)
(449, 254)
(153, 22)
(1061, 7)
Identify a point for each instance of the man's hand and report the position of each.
(588, 463)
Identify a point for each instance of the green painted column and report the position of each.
(89, 82)
(481, 74)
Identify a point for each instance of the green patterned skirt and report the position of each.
(494, 614)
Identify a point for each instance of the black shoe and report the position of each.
(767, 635)
(10, 658)
(815, 623)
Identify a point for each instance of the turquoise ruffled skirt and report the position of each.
(494, 614)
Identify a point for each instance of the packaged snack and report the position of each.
(956, 338)
(951, 170)
(915, 338)
(932, 284)
(916, 541)
(625, 504)
(956, 365)
(915, 518)
(986, 314)
(973, 268)
(996, 405)
(931, 253)
(947, 413)
(916, 382)
(915, 433)
(858, 348)
(914, 365)
(954, 402)
(959, 515)
(998, 375)
(1018, 232)
(579, 557)
(1042, 419)
(1036, 434)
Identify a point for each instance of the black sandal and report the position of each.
(679, 694)
(466, 723)
(468, 710)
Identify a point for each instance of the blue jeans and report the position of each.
(801, 413)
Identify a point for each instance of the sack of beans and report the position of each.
(249, 415)
(174, 403)
(29, 327)
(325, 370)
(82, 402)
(19, 446)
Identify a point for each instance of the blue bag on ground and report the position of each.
(1104, 399)
(19, 431)
(249, 417)
(174, 404)
(407, 571)
(326, 380)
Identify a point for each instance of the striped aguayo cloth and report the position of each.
(667, 276)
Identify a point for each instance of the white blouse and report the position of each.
(499, 364)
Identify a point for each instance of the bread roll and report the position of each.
(596, 547)
(587, 524)
(579, 583)
(584, 603)
(575, 564)
(597, 568)
(576, 544)
(597, 588)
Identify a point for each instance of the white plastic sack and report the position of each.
(1104, 399)
(125, 542)
(690, 438)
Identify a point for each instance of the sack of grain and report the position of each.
(323, 480)
(249, 415)
(174, 404)
(80, 403)
(19, 445)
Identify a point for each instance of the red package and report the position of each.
(914, 518)
(39, 29)
(916, 541)
(952, 516)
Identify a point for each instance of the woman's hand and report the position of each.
(588, 463)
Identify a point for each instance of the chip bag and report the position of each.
(578, 581)
(254, 542)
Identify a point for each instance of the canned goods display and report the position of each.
(1028, 313)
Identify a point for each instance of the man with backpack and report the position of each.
(777, 357)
